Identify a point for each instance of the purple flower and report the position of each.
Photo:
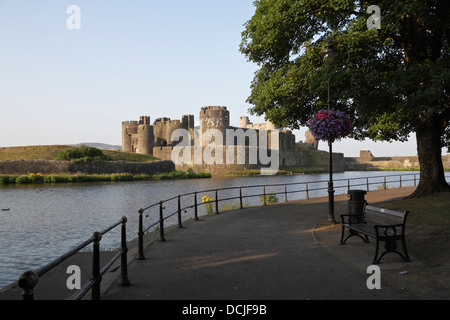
(330, 125)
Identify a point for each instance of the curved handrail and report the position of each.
(29, 279)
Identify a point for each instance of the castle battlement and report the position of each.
(144, 120)
(213, 108)
(165, 121)
(130, 123)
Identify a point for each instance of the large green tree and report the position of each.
(396, 80)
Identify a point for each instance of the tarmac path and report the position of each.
(259, 253)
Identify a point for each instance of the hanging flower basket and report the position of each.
(330, 125)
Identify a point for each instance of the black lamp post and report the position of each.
(329, 55)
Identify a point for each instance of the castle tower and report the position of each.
(145, 138)
(244, 122)
(214, 117)
(311, 140)
(129, 128)
(164, 127)
(159, 130)
(188, 122)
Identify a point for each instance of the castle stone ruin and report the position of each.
(156, 139)
(141, 137)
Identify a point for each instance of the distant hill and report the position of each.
(101, 146)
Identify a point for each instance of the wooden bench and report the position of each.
(381, 224)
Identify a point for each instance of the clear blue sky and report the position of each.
(130, 58)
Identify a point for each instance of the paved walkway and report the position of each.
(286, 251)
(283, 251)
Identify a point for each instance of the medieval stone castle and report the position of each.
(156, 139)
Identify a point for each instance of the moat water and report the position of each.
(41, 222)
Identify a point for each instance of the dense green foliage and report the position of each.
(394, 75)
(270, 197)
(82, 153)
(394, 81)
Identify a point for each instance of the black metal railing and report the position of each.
(29, 279)
(285, 189)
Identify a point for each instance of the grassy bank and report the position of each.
(52, 152)
(37, 178)
(431, 210)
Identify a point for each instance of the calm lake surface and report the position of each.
(41, 222)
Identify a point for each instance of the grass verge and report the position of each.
(37, 178)
(51, 153)
(432, 210)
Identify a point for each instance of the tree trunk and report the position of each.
(429, 150)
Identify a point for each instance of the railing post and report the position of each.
(415, 180)
(179, 212)
(400, 181)
(367, 182)
(307, 191)
(124, 281)
(385, 185)
(195, 206)
(348, 185)
(141, 236)
(161, 222)
(27, 281)
(240, 197)
(95, 293)
(285, 193)
(217, 202)
(264, 194)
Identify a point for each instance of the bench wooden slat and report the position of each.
(381, 220)
(364, 228)
(382, 210)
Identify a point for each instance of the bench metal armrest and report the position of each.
(359, 217)
(388, 230)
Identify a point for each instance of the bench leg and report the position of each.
(391, 246)
(342, 235)
(406, 257)
(376, 260)
(351, 234)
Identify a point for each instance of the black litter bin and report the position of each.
(356, 202)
